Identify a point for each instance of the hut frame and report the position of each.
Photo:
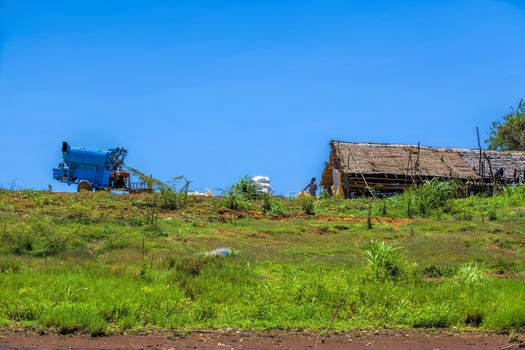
(372, 168)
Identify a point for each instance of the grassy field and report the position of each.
(102, 263)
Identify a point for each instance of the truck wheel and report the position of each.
(84, 185)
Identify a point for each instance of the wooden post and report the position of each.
(417, 159)
(479, 146)
(483, 177)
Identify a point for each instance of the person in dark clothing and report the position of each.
(312, 187)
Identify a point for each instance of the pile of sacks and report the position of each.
(263, 182)
(206, 193)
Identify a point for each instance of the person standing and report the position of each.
(312, 187)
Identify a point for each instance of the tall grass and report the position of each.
(432, 194)
(231, 293)
(242, 194)
(384, 261)
(469, 274)
(290, 275)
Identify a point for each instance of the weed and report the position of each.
(273, 206)
(437, 271)
(54, 241)
(171, 198)
(383, 260)
(369, 218)
(307, 204)
(469, 274)
(492, 214)
(286, 278)
(9, 265)
(236, 201)
(190, 265)
(474, 317)
(69, 318)
(247, 189)
(435, 316)
(19, 240)
(433, 194)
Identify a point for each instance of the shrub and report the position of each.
(492, 214)
(247, 189)
(383, 259)
(172, 198)
(273, 206)
(432, 194)
(236, 201)
(190, 265)
(18, 240)
(9, 265)
(474, 317)
(53, 241)
(241, 194)
(437, 271)
(469, 274)
(307, 203)
(368, 224)
(266, 203)
(503, 266)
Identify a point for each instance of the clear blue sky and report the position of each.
(215, 90)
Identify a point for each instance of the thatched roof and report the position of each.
(398, 159)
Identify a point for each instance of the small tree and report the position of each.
(509, 134)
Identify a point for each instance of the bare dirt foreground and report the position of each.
(391, 340)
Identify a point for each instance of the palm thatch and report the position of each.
(392, 167)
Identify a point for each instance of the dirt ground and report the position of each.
(391, 340)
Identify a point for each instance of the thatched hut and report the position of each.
(360, 168)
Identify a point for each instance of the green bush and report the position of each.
(9, 265)
(236, 201)
(19, 239)
(172, 198)
(432, 194)
(307, 203)
(492, 214)
(242, 194)
(469, 274)
(190, 265)
(273, 206)
(247, 189)
(437, 271)
(383, 260)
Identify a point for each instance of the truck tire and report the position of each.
(84, 185)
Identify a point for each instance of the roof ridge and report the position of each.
(423, 146)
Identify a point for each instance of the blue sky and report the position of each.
(215, 90)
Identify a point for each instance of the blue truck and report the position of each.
(95, 169)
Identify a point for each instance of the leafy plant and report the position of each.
(242, 193)
(431, 194)
(172, 198)
(236, 201)
(272, 206)
(9, 265)
(247, 188)
(509, 134)
(469, 274)
(54, 241)
(383, 259)
(19, 240)
(307, 203)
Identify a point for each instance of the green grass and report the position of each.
(90, 263)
